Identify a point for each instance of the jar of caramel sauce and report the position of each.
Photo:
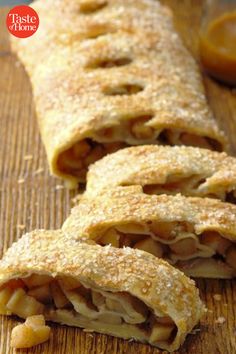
(218, 40)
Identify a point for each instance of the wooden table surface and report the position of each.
(31, 198)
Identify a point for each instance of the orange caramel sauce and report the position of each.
(218, 48)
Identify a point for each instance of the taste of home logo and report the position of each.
(22, 21)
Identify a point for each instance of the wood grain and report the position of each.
(31, 198)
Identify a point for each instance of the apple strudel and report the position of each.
(167, 170)
(112, 73)
(122, 292)
(197, 235)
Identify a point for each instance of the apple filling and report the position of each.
(193, 185)
(187, 185)
(177, 243)
(106, 63)
(171, 137)
(75, 160)
(91, 6)
(125, 89)
(68, 301)
(96, 30)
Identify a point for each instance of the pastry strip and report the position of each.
(112, 76)
(167, 170)
(197, 235)
(122, 292)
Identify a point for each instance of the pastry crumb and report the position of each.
(59, 187)
(220, 320)
(217, 297)
(21, 180)
(21, 226)
(38, 171)
(28, 157)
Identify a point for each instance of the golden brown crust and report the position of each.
(163, 166)
(130, 204)
(70, 99)
(156, 283)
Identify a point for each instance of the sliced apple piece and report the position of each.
(98, 299)
(164, 230)
(23, 305)
(5, 295)
(161, 332)
(231, 256)
(111, 237)
(206, 268)
(184, 247)
(36, 280)
(59, 298)
(81, 149)
(31, 333)
(215, 241)
(150, 246)
(41, 293)
(69, 283)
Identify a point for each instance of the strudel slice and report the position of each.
(167, 170)
(121, 292)
(197, 235)
(112, 73)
